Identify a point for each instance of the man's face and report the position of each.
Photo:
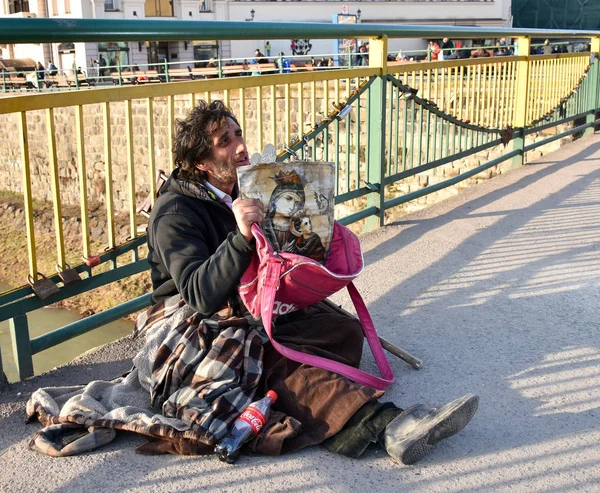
(228, 152)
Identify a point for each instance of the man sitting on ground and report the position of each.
(200, 243)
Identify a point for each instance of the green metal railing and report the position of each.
(383, 126)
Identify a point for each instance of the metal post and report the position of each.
(3, 80)
(523, 46)
(19, 331)
(220, 65)
(376, 157)
(593, 84)
(280, 64)
(2, 376)
(167, 71)
(120, 77)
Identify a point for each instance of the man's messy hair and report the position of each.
(193, 137)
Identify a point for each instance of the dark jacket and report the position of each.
(194, 247)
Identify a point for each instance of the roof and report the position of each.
(17, 63)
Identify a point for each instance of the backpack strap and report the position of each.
(269, 290)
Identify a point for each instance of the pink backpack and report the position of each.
(279, 283)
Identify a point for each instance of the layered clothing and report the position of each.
(205, 359)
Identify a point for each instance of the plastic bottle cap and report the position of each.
(272, 394)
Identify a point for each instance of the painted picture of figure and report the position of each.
(308, 243)
(298, 198)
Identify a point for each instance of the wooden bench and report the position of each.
(59, 81)
(265, 68)
(78, 80)
(18, 82)
(137, 77)
(123, 78)
(149, 76)
(204, 73)
(301, 67)
(235, 70)
(179, 74)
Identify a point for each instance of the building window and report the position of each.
(204, 51)
(113, 54)
(110, 5)
(159, 8)
(16, 6)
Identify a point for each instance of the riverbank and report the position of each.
(14, 253)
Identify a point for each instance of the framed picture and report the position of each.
(298, 200)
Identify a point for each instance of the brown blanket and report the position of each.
(194, 377)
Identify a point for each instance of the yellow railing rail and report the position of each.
(97, 151)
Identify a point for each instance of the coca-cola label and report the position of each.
(254, 418)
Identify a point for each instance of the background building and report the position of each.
(558, 14)
(68, 55)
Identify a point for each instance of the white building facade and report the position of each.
(66, 55)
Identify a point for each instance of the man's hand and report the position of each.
(247, 212)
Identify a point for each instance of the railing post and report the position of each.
(280, 64)
(220, 67)
(593, 84)
(3, 80)
(19, 331)
(120, 75)
(2, 380)
(167, 78)
(376, 137)
(523, 46)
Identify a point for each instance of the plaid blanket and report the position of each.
(190, 381)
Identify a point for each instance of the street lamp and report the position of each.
(252, 12)
(358, 12)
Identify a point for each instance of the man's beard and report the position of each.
(226, 174)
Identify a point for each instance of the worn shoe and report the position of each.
(412, 434)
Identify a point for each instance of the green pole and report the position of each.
(167, 71)
(376, 156)
(280, 64)
(220, 65)
(19, 331)
(523, 45)
(76, 76)
(593, 85)
(2, 376)
(120, 77)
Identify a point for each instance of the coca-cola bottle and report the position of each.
(245, 427)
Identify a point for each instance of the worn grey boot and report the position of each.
(412, 434)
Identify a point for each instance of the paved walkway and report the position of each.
(496, 290)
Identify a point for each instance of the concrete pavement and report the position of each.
(496, 290)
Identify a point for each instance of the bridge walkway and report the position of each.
(496, 289)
